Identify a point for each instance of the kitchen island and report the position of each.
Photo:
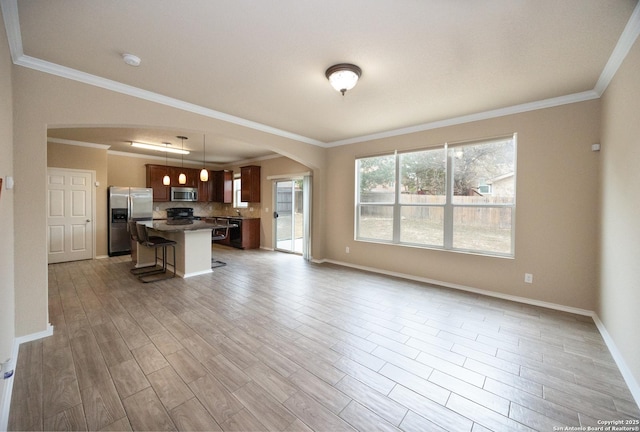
(193, 246)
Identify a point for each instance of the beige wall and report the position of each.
(269, 168)
(90, 159)
(556, 215)
(7, 287)
(44, 101)
(619, 306)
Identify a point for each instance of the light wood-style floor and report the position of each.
(271, 342)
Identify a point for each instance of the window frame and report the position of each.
(237, 189)
(449, 205)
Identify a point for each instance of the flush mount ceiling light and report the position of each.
(343, 76)
(166, 148)
(131, 60)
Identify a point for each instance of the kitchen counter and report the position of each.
(162, 225)
(193, 246)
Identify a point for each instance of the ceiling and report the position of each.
(262, 63)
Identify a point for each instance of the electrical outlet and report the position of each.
(346, 249)
(528, 278)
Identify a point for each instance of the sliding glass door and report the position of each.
(289, 214)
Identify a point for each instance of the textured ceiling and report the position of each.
(423, 61)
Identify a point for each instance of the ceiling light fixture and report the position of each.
(204, 174)
(343, 76)
(182, 178)
(166, 148)
(131, 60)
(166, 180)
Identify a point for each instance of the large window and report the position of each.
(454, 197)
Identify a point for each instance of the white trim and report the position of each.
(500, 112)
(630, 380)
(78, 143)
(622, 48)
(35, 336)
(118, 87)
(6, 387)
(154, 157)
(198, 273)
(93, 201)
(289, 176)
(502, 296)
(12, 25)
(633, 385)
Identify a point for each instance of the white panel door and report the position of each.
(69, 220)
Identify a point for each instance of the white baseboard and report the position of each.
(6, 385)
(35, 336)
(502, 296)
(633, 385)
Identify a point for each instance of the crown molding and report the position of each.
(500, 112)
(118, 87)
(622, 48)
(78, 143)
(12, 25)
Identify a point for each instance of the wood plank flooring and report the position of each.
(272, 343)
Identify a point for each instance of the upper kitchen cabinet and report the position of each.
(192, 174)
(155, 174)
(222, 186)
(205, 188)
(250, 183)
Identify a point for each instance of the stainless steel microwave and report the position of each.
(184, 194)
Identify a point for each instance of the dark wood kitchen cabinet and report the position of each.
(205, 188)
(250, 183)
(219, 187)
(193, 177)
(222, 187)
(245, 236)
(250, 235)
(155, 174)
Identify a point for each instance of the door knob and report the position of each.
(275, 215)
(88, 220)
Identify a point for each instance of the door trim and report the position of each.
(93, 202)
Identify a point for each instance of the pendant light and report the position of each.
(166, 180)
(182, 178)
(204, 174)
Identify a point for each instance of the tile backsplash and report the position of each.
(206, 209)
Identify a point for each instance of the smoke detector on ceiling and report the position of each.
(131, 60)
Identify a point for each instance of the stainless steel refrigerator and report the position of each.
(125, 204)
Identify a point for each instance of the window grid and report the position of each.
(453, 236)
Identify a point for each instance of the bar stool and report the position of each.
(218, 234)
(156, 243)
(133, 233)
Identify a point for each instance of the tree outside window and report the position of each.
(454, 197)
